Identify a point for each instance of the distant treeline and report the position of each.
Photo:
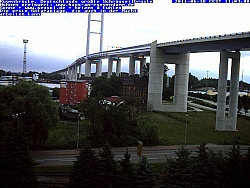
(194, 82)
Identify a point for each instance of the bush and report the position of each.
(150, 135)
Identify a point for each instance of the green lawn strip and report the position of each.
(64, 135)
(201, 129)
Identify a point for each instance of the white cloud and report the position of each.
(64, 35)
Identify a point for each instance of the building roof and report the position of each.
(114, 99)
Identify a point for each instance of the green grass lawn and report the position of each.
(200, 129)
(64, 135)
(171, 131)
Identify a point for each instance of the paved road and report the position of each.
(198, 107)
(154, 154)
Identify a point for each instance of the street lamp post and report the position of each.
(186, 130)
(78, 133)
(207, 81)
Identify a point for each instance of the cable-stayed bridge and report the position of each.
(177, 53)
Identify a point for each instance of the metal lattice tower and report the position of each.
(25, 41)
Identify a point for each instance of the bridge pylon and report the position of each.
(89, 32)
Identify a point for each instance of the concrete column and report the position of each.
(222, 89)
(131, 66)
(142, 64)
(110, 66)
(80, 71)
(233, 99)
(65, 74)
(88, 68)
(181, 83)
(157, 60)
(118, 67)
(71, 73)
(224, 123)
(68, 75)
(155, 79)
(75, 72)
(98, 68)
(234, 89)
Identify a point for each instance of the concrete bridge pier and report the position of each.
(132, 65)
(75, 72)
(69, 73)
(80, 71)
(72, 72)
(142, 64)
(181, 82)
(98, 68)
(110, 66)
(118, 67)
(88, 68)
(64, 73)
(155, 87)
(228, 123)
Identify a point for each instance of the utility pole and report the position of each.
(186, 130)
(207, 85)
(25, 41)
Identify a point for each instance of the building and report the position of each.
(73, 92)
(8, 80)
(114, 100)
(135, 88)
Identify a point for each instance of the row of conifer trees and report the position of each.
(205, 170)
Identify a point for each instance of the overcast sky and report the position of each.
(56, 40)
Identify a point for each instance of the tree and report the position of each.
(85, 172)
(144, 177)
(146, 69)
(107, 167)
(50, 76)
(245, 169)
(16, 165)
(93, 112)
(115, 124)
(56, 93)
(31, 104)
(168, 92)
(178, 172)
(2, 73)
(150, 135)
(116, 86)
(126, 177)
(106, 87)
(246, 107)
(233, 168)
(205, 169)
(192, 81)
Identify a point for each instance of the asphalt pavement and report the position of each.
(153, 154)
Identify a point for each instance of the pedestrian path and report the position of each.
(198, 107)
